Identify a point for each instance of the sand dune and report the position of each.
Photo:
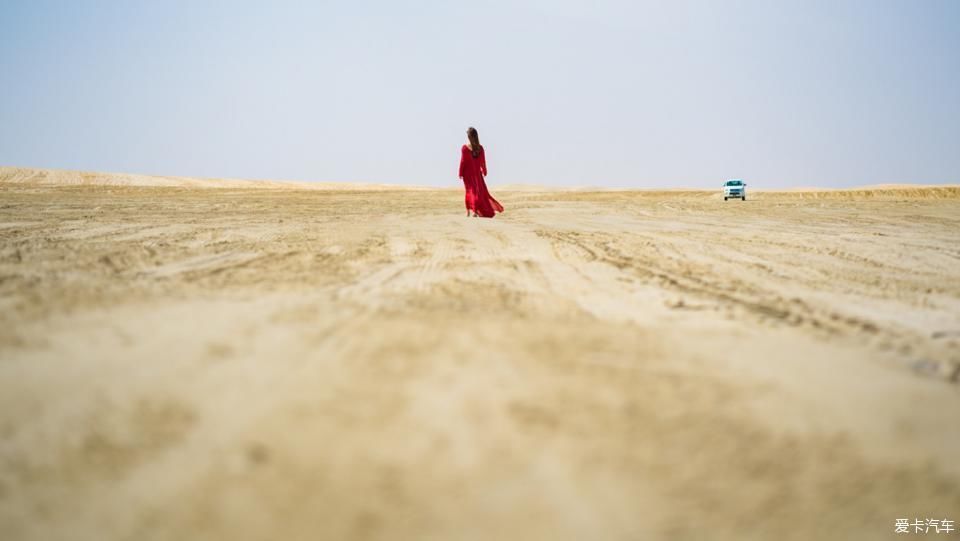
(56, 177)
(181, 363)
(889, 191)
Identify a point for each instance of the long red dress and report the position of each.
(472, 171)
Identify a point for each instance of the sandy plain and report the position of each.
(201, 360)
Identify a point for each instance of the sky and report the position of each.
(568, 93)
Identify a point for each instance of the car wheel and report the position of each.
(724, 198)
(744, 198)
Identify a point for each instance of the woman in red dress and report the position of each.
(473, 167)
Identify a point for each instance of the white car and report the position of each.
(735, 188)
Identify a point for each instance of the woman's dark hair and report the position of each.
(474, 141)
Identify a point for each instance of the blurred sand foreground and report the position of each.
(284, 363)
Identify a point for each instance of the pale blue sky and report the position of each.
(605, 93)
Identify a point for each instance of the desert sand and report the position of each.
(188, 359)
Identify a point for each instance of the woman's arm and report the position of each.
(463, 159)
(483, 162)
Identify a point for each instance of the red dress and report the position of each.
(472, 171)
